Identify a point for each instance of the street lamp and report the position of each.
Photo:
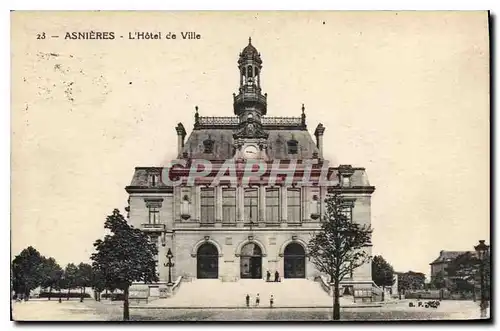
(169, 264)
(481, 250)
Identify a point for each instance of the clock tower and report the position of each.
(250, 139)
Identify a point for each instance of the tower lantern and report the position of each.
(250, 101)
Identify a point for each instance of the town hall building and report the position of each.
(240, 229)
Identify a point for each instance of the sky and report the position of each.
(403, 94)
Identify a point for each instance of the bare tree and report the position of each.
(337, 249)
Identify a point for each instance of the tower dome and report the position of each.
(250, 53)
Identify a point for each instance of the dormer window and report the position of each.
(293, 146)
(208, 146)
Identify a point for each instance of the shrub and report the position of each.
(63, 295)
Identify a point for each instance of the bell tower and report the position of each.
(250, 98)
(249, 104)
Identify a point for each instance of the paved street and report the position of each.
(112, 311)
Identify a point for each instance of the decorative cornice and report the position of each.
(352, 189)
(153, 202)
(232, 123)
(154, 170)
(145, 189)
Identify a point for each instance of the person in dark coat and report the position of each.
(276, 276)
(257, 300)
(248, 300)
(268, 275)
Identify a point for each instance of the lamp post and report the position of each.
(169, 264)
(481, 250)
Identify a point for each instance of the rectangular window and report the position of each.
(251, 205)
(154, 215)
(293, 199)
(207, 203)
(229, 205)
(272, 205)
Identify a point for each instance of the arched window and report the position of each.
(251, 261)
(249, 72)
(207, 261)
(295, 261)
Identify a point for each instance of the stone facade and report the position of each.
(244, 229)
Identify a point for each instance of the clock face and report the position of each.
(251, 152)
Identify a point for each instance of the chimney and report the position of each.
(181, 134)
(320, 129)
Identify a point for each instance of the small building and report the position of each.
(440, 264)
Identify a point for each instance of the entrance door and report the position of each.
(295, 261)
(207, 260)
(251, 261)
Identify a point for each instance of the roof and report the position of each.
(447, 256)
(223, 143)
(359, 179)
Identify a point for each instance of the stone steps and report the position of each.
(213, 292)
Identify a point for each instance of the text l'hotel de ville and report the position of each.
(136, 35)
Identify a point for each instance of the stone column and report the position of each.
(240, 206)
(306, 215)
(197, 204)
(284, 205)
(218, 206)
(262, 205)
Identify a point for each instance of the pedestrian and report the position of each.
(248, 300)
(276, 276)
(268, 275)
(257, 300)
(271, 301)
